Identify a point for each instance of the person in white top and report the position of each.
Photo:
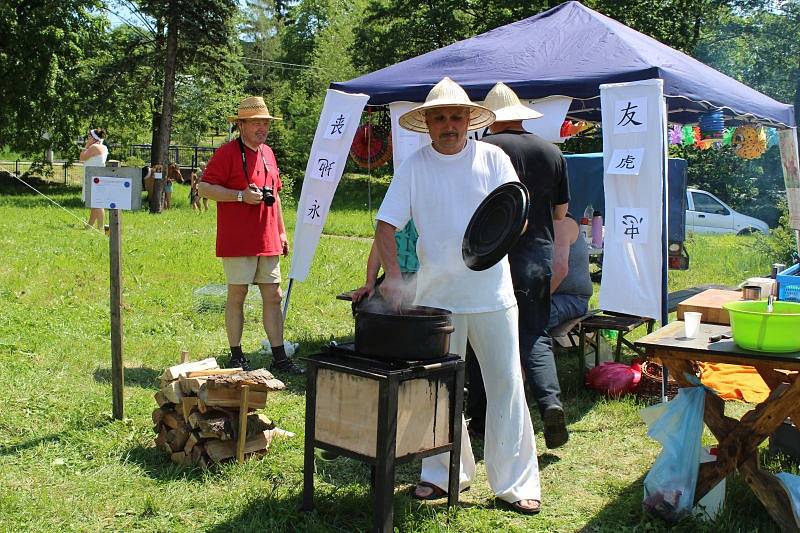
(94, 154)
(440, 186)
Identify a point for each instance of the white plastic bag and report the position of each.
(678, 425)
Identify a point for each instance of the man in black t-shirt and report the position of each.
(541, 167)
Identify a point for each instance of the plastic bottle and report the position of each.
(597, 229)
(585, 224)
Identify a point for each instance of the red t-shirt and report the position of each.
(245, 230)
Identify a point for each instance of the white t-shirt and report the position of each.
(441, 192)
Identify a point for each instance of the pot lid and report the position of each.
(495, 226)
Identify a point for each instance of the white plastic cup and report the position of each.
(691, 323)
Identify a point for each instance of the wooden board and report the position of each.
(230, 397)
(347, 413)
(709, 302)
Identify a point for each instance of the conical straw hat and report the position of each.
(252, 107)
(446, 93)
(506, 106)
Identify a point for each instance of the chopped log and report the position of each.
(161, 400)
(188, 403)
(209, 422)
(191, 442)
(161, 440)
(224, 397)
(218, 450)
(258, 380)
(201, 406)
(184, 356)
(197, 452)
(172, 392)
(158, 415)
(176, 438)
(256, 423)
(174, 372)
(191, 386)
(214, 435)
(220, 371)
(179, 458)
(172, 419)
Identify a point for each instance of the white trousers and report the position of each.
(509, 447)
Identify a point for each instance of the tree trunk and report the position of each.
(168, 94)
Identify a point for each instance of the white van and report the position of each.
(705, 213)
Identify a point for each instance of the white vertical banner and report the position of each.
(787, 141)
(337, 126)
(635, 163)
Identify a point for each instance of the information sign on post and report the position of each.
(115, 189)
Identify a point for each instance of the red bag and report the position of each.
(615, 379)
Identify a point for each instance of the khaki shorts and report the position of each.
(247, 270)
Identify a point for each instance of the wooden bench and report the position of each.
(567, 335)
(621, 323)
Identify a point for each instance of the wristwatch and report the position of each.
(240, 196)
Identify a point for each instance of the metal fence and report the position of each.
(183, 156)
(67, 173)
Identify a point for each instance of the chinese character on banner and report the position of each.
(337, 123)
(630, 115)
(631, 224)
(312, 212)
(324, 167)
(626, 161)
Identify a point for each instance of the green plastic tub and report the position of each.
(755, 329)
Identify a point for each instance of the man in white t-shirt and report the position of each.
(440, 186)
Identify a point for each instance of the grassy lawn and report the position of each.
(65, 465)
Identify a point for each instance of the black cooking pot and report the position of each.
(413, 333)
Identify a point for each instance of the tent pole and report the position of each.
(664, 255)
(286, 301)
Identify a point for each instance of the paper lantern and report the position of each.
(675, 137)
(687, 135)
(749, 142)
(712, 125)
(727, 136)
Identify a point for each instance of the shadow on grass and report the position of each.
(141, 376)
(55, 438)
(346, 508)
(14, 449)
(157, 465)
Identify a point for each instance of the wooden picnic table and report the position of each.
(738, 439)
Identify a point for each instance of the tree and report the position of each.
(199, 32)
(42, 47)
(321, 30)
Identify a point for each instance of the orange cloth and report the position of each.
(735, 382)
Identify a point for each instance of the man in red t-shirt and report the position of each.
(243, 178)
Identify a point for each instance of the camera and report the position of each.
(267, 196)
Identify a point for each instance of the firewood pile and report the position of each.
(206, 414)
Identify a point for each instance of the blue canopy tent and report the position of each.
(570, 50)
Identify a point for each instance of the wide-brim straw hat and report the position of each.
(506, 105)
(252, 107)
(446, 93)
